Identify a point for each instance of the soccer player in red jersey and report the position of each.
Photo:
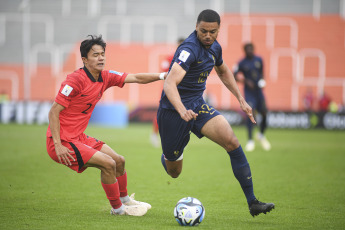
(68, 118)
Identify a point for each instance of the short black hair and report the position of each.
(208, 16)
(87, 44)
(248, 44)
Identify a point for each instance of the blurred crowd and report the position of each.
(323, 103)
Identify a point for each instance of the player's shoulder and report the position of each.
(76, 76)
(109, 75)
(191, 42)
(242, 61)
(216, 48)
(216, 45)
(77, 79)
(257, 57)
(111, 72)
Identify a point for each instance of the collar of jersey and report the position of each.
(89, 75)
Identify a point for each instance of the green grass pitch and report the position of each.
(303, 174)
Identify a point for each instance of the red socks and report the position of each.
(122, 180)
(113, 194)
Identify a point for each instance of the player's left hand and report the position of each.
(248, 110)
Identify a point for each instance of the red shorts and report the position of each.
(83, 149)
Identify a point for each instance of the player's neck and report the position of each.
(94, 73)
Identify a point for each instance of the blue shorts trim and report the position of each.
(175, 132)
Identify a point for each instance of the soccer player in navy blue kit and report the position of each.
(251, 66)
(182, 108)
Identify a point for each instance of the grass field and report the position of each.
(303, 174)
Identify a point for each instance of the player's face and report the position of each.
(249, 50)
(95, 60)
(207, 32)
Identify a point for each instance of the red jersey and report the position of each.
(79, 94)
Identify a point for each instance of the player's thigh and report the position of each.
(101, 160)
(120, 160)
(219, 131)
(174, 133)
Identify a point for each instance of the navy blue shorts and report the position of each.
(256, 101)
(175, 132)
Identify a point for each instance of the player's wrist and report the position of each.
(162, 76)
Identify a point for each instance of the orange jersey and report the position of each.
(79, 94)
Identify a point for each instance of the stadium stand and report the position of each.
(302, 44)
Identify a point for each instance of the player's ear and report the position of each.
(84, 59)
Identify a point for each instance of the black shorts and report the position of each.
(175, 132)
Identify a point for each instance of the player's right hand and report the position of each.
(250, 84)
(188, 115)
(64, 154)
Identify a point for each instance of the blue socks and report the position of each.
(163, 163)
(242, 172)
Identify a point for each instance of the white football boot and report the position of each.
(250, 146)
(131, 201)
(133, 210)
(266, 145)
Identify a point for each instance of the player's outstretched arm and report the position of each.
(229, 81)
(144, 78)
(174, 77)
(62, 152)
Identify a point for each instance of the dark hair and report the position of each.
(87, 44)
(249, 44)
(208, 16)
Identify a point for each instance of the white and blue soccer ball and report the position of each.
(189, 211)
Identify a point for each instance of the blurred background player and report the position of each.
(308, 101)
(182, 109)
(70, 114)
(251, 66)
(324, 102)
(155, 141)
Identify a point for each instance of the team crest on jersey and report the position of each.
(257, 64)
(115, 72)
(184, 56)
(66, 90)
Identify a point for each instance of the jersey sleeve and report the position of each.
(115, 78)
(185, 57)
(219, 59)
(69, 89)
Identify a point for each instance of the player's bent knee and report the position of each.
(174, 168)
(120, 162)
(232, 143)
(174, 173)
(109, 166)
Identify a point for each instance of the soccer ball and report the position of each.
(189, 211)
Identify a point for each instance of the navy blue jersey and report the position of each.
(198, 63)
(252, 69)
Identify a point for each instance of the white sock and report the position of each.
(124, 199)
(119, 210)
